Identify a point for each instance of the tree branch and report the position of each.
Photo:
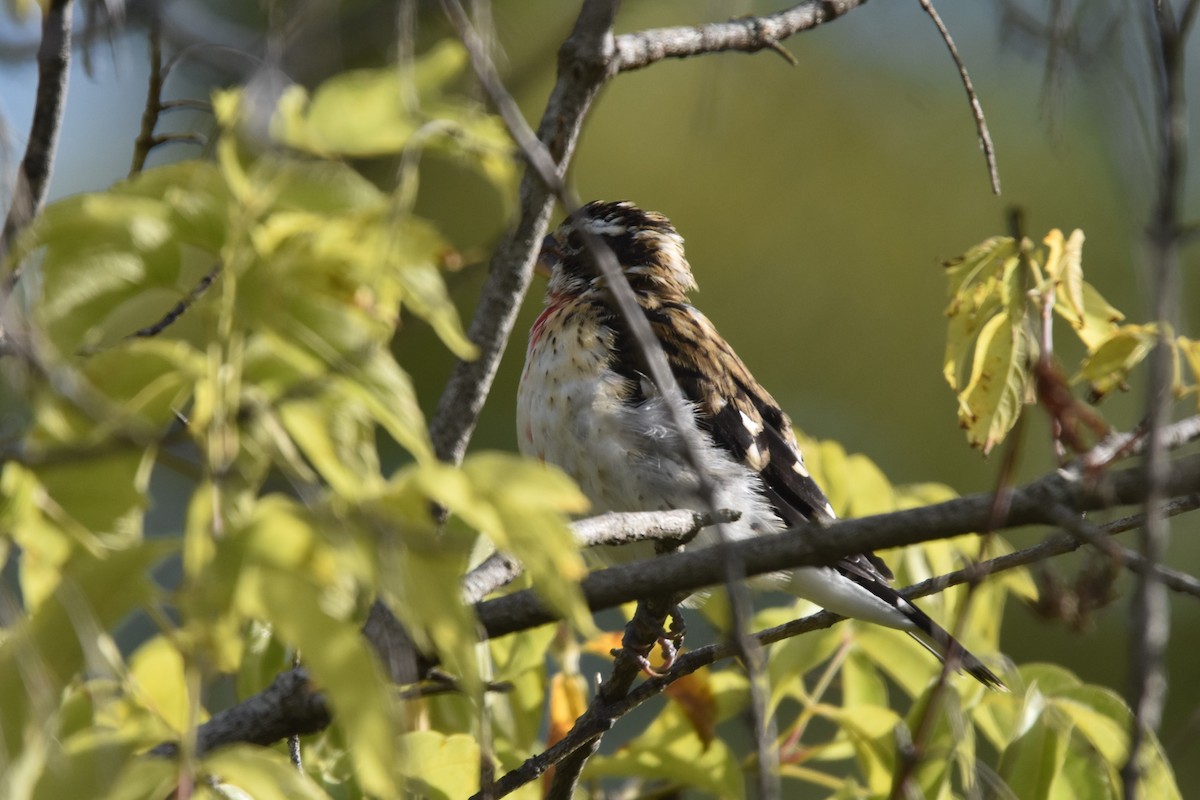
(33, 178)
(671, 528)
(584, 64)
(812, 545)
(981, 126)
(1150, 609)
(746, 35)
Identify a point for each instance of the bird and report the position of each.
(586, 404)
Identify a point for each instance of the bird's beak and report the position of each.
(548, 257)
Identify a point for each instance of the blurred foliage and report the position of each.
(271, 392)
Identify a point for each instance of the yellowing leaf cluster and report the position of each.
(1003, 297)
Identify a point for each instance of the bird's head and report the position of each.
(646, 245)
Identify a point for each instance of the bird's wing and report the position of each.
(732, 407)
(742, 417)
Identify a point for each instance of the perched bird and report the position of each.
(587, 405)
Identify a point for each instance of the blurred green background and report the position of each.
(817, 202)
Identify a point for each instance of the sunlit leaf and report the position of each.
(440, 767)
(669, 749)
(157, 669)
(1114, 357)
(261, 773)
(565, 702)
(992, 399)
(1189, 350)
(41, 653)
(1064, 265)
(1031, 763)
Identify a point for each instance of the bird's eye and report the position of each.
(575, 241)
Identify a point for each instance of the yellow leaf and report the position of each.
(1098, 321)
(567, 702)
(157, 670)
(440, 767)
(992, 399)
(1067, 269)
(1115, 356)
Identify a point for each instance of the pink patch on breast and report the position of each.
(553, 304)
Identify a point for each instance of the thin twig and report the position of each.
(183, 305)
(154, 105)
(1095, 535)
(981, 127)
(583, 68)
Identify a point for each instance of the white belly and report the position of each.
(570, 413)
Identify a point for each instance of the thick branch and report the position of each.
(671, 528)
(288, 706)
(813, 545)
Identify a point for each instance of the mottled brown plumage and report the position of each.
(586, 404)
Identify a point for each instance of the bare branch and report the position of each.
(154, 105)
(985, 136)
(812, 545)
(288, 706)
(1150, 610)
(746, 35)
(671, 528)
(33, 178)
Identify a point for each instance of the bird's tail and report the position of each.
(937, 640)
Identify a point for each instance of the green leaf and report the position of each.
(1100, 716)
(261, 773)
(790, 660)
(1115, 356)
(1033, 761)
(903, 660)
(40, 654)
(289, 578)
(870, 730)
(157, 671)
(438, 766)
(670, 750)
(417, 249)
(195, 196)
(101, 250)
(521, 505)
